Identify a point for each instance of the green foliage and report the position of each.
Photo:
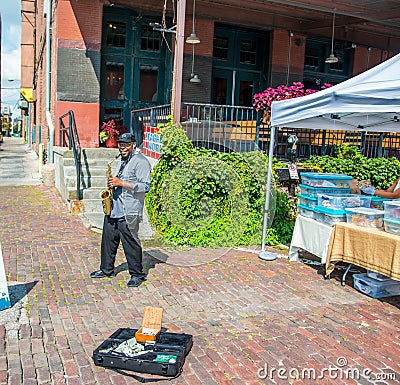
(381, 172)
(203, 197)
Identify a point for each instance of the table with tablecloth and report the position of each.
(372, 249)
(310, 235)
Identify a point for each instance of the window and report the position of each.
(114, 81)
(247, 52)
(150, 39)
(312, 57)
(221, 48)
(148, 83)
(113, 113)
(116, 34)
(219, 90)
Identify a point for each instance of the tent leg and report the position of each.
(267, 255)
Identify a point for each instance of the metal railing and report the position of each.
(151, 116)
(240, 129)
(68, 135)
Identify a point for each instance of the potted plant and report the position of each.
(111, 131)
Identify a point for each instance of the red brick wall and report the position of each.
(85, 115)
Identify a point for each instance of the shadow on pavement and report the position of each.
(19, 291)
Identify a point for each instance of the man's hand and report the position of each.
(369, 190)
(114, 182)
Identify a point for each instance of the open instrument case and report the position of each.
(165, 356)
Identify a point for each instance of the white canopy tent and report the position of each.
(367, 102)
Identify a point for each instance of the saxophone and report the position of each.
(107, 195)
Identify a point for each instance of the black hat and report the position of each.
(126, 138)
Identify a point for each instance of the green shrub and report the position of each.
(202, 197)
(381, 172)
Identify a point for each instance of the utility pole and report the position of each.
(176, 97)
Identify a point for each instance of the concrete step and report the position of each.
(95, 220)
(92, 205)
(92, 181)
(92, 192)
(89, 162)
(86, 171)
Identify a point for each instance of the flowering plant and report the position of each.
(263, 100)
(112, 129)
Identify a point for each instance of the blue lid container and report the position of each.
(329, 211)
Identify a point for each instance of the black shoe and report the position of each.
(101, 274)
(135, 281)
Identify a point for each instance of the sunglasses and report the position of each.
(124, 145)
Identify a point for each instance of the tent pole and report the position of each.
(267, 255)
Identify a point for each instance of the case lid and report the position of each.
(375, 198)
(307, 197)
(365, 210)
(392, 221)
(345, 190)
(329, 211)
(321, 175)
(305, 207)
(152, 317)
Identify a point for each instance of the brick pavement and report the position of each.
(248, 317)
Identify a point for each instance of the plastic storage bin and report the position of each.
(364, 217)
(344, 201)
(378, 202)
(306, 211)
(392, 209)
(307, 201)
(317, 179)
(375, 288)
(392, 226)
(377, 276)
(314, 191)
(329, 216)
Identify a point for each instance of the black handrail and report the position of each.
(69, 137)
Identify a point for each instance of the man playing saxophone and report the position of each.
(129, 185)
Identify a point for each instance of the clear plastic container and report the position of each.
(307, 201)
(364, 217)
(377, 276)
(375, 288)
(329, 216)
(378, 202)
(392, 209)
(317, 179)
(392, 226)
(344, 201)
(314, 191)
(306, 211)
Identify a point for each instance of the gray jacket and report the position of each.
(128, 202)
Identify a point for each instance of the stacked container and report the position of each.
(378, 287)
(316, 185)
(365, 217)
(392, 216)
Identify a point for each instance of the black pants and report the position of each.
(114, 231)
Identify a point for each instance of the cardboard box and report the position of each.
(151, 324)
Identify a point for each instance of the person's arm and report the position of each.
(141, 182)
(390, 192)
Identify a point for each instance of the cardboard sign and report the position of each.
(4, 296)
(293, 174)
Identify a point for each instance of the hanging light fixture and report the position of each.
(194, 78)
(192, 38)
(332, 58)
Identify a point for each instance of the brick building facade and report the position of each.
(101, 59)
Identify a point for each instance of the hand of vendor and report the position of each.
(369, 190)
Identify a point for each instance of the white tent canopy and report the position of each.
(369, 101)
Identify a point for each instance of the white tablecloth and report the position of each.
(310, 235)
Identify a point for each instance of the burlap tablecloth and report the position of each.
(372, 249)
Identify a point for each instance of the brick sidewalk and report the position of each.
(246, 315)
